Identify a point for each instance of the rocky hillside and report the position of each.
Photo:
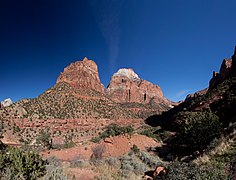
(63, 101)
(203, 116)
(203, 127)
(218, 98)
(78, 101)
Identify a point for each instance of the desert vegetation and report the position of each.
(63, 102)
(203, 145)
(113, 130)
(18, 164)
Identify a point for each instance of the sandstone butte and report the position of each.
(82, 74)
(125, 85)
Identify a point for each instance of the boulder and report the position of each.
(109, 140)
(159, 172)
(7, 102)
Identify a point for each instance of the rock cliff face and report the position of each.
(82, 74)
(234, 63)
(190, 97)
(227, 69)
(125, 86)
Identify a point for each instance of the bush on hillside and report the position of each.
(197, 130)
(98, 152)
(54, 170)
(16, 164)
(233, 168)
(113, 130)
(44, 139)
(135, 149)
(184, 171)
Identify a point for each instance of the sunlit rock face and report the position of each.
(7, 102)
(126, 86)
(82, 74)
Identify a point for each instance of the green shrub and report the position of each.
(113, 130)
(135, 149)
(149, 133)
(96, 139)
(44, 138)
(14, 163)
(197, 130)
(233, 168)
(68, 142)
(185, 171)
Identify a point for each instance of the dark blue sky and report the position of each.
(173, 43)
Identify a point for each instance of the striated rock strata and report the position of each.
(82, 74)
(126, 86)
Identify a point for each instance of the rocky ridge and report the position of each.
(227, 69)
(190, 97)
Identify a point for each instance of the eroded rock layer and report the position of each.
(126, 86)
(82, 74)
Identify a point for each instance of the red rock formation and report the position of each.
(227, 69)
(234, 63)
(82, 74)
(214, 80)
(125, 86)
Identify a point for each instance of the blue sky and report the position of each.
(175, 44)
